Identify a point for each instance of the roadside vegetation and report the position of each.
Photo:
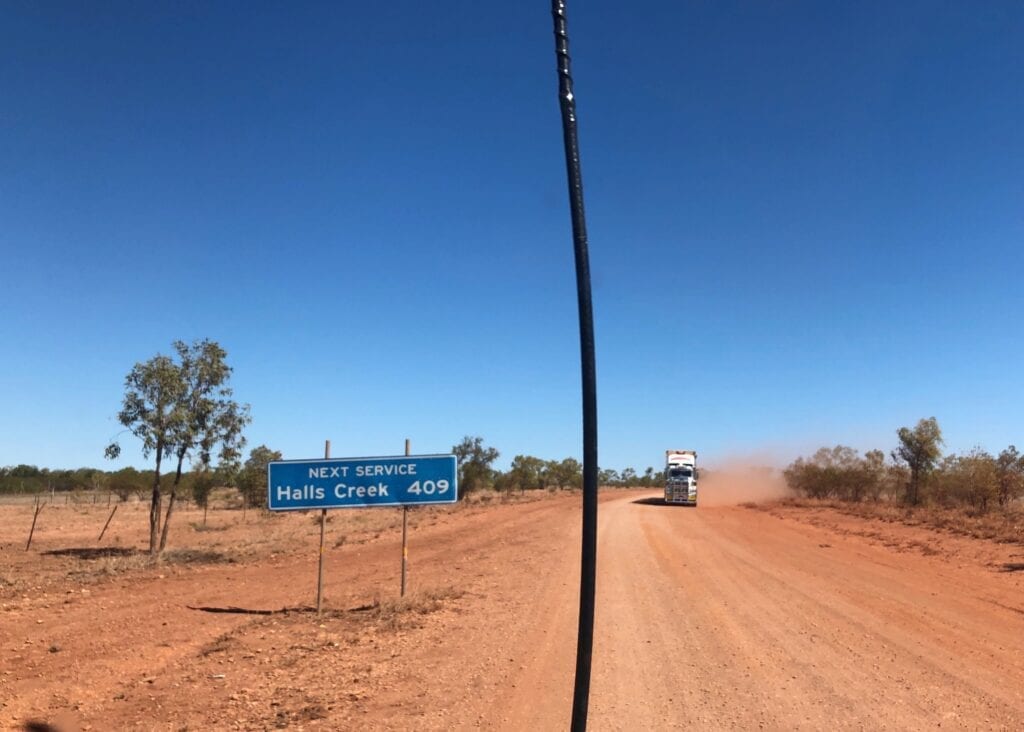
(975, 493)
(246, 480)
(181, 408)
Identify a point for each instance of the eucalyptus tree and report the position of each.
(153, 392)
(209, 417)
(920, 449)
(526, 471)
(181, 409)
(474, 461)
(607, 476)
(252, 479)
(1010, 464)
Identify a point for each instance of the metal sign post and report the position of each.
(405, 524)
(408, 480)
(323, 527)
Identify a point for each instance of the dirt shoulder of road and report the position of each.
(93, 636)
(987, 542)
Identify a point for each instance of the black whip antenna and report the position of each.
(588, 565)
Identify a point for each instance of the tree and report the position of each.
(569, 473)
(607, 477)
(971, 479)
(151, 410)
(628, 477)
(180, 409)
(202, 486)
(127, 482)
(252, 480)
(836, 472)
(1010, 472)
(875, 474)
(919, 449)
(474, 461)
(208, 416)
(525, 472)
(980, 478)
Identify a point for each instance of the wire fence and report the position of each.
(226, 499)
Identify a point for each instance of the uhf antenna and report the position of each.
(588, 564)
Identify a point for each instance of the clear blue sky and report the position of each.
(806, 222)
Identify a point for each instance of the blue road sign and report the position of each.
(361, 482)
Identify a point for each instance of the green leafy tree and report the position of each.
(919, 450)
(570, 473)
(629, 477)
(24, 471)
(151, 411)
(525, 472)
(474, 461)
(202, 486)
(252, 479)
(607, 477)
(566, 473)
(127, 482)
(208, 417)
(180, 409)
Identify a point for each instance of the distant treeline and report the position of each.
(249, 477)
(32, 479)
(915, 472)
(526, 472)
(476, 472)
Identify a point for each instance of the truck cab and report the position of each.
(681, 477)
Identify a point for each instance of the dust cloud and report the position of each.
(735, 482)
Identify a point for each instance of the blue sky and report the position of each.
(805, 220)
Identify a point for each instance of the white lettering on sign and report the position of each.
(429, 487)
(360, 491)
(333, 471)
(305, 493)
(370, 471)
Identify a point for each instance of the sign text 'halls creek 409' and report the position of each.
(361, 482)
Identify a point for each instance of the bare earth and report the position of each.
(708, 618)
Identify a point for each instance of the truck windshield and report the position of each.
(680, 473)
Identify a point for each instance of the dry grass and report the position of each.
(195, 556)
(10, 583)
(1005, 527)
(201, 527)
(396, 613)
(118, 564)
(217, 645)
(110, 563)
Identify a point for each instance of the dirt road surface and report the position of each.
(708, 618)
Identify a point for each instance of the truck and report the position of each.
(681, 477)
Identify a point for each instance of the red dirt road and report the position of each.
(710, 618)
(733, 618)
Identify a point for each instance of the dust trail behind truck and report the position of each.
(681, 477)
